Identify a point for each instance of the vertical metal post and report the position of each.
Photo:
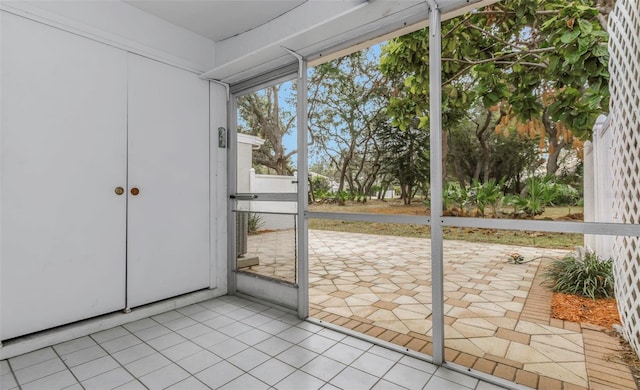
(232, 184)
(302, 271)
(435, 128)
(303, 197)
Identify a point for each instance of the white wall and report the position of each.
(123, 26)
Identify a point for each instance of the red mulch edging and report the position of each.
(601, 312)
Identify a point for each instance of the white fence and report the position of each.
(624, 67)
(598, 191)
(273, 184)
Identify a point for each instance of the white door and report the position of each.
(63, 152)
(168, 221)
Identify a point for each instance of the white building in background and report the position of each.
(270, 215)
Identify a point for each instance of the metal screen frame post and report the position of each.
(303, 197)
(232, 185)
(435, 128)
(302, 247)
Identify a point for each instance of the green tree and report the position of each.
(262, 114)
(347, 97)
(503, 158)
(406, 159)
(541, 62)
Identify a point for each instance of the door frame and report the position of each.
(292, 296)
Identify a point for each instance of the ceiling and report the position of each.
(217, 19)
(251, 35)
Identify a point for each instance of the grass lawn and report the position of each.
(523, 238)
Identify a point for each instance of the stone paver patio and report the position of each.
(497, 316)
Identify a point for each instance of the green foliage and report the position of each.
(538, 193)
(347, 99)
(342, 197)
(510, 157)
(566, 195)
(360, 198)
(589, 277)
(321, 194)
(541, 60)
(487, 194)
(405, 157)
(454, 196)
(254, 223)
(581, 59)
(505, 160)
(321, 187)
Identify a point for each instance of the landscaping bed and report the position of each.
(602, 312)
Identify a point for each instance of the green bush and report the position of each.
(566, 195)
(343, 196)
(487, 194)
(255, 222)
(454, 196)
(590, 277)
(538, 193)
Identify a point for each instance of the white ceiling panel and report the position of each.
(217, 19)
(314, 32)
(251, 35)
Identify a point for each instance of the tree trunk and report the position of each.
(482, 165)
(552, 161)
(555, 144)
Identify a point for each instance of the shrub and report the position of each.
(487, 194)
(590, 277)
(538, 193)
(342, 196)
(566, 195)
(255, 222)
(454, 196)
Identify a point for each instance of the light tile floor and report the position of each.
(226, 343)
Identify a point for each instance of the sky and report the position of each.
(286, 96)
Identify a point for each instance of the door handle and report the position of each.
(135, 191)
(243, 197)
(119, 190)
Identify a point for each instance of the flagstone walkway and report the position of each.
(497, 316)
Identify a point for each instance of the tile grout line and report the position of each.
(226, 359)
(346, 365)
(136, 379)
(31, 365)
(206, 349)
(300, 369)
(250, 346)
(13, 374)
(238, 307)
(158, 351)
(67, 367)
